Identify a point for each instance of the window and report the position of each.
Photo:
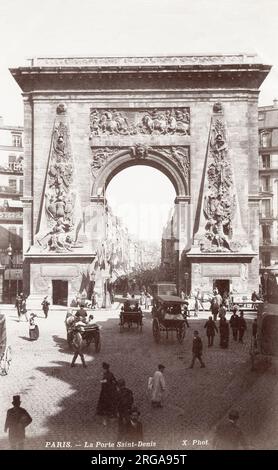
(266, 212)
(265, 183)
(265, 139)
(261, 116)
(17, 140)
(12, 160)
(12, 185)
(266, 259)
(266, 233)
(21, 186)
(266, 161)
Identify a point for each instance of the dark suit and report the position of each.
(16, 421)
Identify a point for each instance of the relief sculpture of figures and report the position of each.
(130, 122)
(173, 121)
(59, 222)
(219, 202)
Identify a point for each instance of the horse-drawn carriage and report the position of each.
(5, 350)
(264, 341)
(168, 317)
(131, 314)
(90, 331)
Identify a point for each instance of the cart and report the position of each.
(131, 314)
(90, 333)
(168, 317)
(264, 345)
(5, 350)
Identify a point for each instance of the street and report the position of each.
(62, 400)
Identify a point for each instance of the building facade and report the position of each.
(11, 211)
(192, 117)
(268, 170)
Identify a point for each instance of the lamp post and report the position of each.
(10, 253)
(186, 277)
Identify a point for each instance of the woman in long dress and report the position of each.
(33, 328)
(107, 402)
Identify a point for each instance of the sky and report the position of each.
(30, 28)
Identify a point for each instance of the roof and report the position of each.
(171, 299)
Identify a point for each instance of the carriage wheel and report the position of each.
(6, 360)
(156, 330)
(181, 333)
(97, 343)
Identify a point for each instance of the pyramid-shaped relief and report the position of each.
(60, 218)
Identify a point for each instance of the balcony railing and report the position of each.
(11, 215)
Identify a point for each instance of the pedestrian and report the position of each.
(218, 297)
(214, 307)
(133, 431)
(45, 306)
(211, 328)
(77, 344)
(197, 349)
(182, 296)
(224, 333)
(186, 312)
(16, 421)
(124, 405)
(18, 300)
(196, 307)
(33, 328)
(158, 387)
(107, 403)
(242, 327)
(255, 332)
(234, 323)
(23, 310)
(228, 435)
(222, 311)
(200, 297)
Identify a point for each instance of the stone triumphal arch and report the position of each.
(192, 117)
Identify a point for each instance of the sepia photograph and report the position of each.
(138, 227)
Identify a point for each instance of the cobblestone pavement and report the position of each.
(62, 400)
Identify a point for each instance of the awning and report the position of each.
(15, 203)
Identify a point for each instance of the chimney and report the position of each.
(1, 121)
(275, 103)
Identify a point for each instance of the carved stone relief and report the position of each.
(179, 155)
(160, 121)
(60, 219)
(219, 204)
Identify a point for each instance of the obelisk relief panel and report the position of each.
(61, 220)
(220, 227)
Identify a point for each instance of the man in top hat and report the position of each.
(16, 421)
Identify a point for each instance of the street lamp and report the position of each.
(10, 254)
(186, 277)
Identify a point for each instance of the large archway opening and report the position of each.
(140, 226)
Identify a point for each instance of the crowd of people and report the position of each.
(116, 400)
